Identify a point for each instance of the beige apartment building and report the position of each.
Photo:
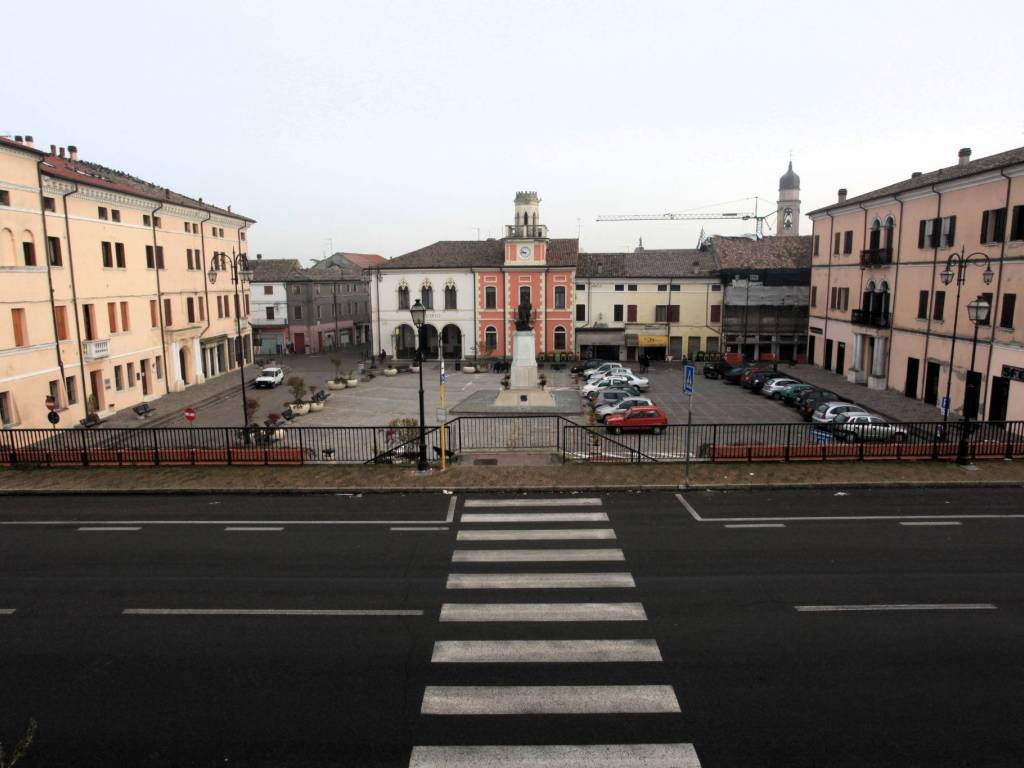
(882, 313)
(105, 302)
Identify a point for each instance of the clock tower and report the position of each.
(788, 220)
(526, 239)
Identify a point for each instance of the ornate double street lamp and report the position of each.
(419, 314)
(978, 311)
(240, 274)
(959, 262)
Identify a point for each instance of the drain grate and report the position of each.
(488, 462)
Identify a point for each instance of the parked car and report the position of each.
(588, 365)
(803, 394)
(617, 370)
(825, 413)
(865, 426)
(269, 378)
(759, 379)
(809, 403)
(603, 368)
(642, 419)
(774, 388)
(612, 395)
(604, 411)
(616, 380)
(732, 376)
(792, 392)
(748, 375)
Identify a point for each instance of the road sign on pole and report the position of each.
(51, 403)
(945, 406)
(689, 373)
(190, 414)
(53, 417)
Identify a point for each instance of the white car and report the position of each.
(773, 388)
(616, 380)
(269, 378)
(825, 413)
(617, 371)
(602, 369)
(603, 411)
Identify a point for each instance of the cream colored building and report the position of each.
(665, 303)
(105, 301)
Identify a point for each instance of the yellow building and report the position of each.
(665, 303)
(105, 301)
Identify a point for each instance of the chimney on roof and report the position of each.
(18, 139)
(915, 174)
(964, 156)
(62, 151)
(842, 195)
(229, 209)
(73, 153)
(29, 140)
(259, 256)
(53, 149)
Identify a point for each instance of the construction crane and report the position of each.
(709, 216)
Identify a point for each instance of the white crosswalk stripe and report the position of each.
(557, 756)
(540, 581)
(544, 651)
(571, 501)
(536, 555)
(548, 699)
(537, 534)
(529, 612)
(535, 517)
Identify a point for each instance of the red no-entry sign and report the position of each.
(190, 414)
(51, 403)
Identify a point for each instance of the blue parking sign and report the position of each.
(945, 406)
(689, 372)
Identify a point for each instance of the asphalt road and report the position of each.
(785, 628)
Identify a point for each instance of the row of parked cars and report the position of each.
(826, 409)
(618, 398)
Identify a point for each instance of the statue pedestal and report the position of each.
(523, 374)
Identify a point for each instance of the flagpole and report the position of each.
(444, 457)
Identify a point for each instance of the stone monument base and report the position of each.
(524, 398)
(523, 372)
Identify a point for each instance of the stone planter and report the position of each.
(351, 382)
(316, 406)
(390, 371)
(300, 409)
(468, 369)
(336, 385)
(414, 368)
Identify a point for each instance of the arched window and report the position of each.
(490, 297)
(490, 339)
(28, 248)
(450, 297)
(524, 294)
(890, 231)
(559, 338)
(403, 297)
(876, 234)
(559, 297)
(6, 248)
(868, 299)
(427, 296)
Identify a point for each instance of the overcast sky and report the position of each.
(385, 126)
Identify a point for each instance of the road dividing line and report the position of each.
(755, 525)
(517, 612)
(110, 528)
(558, 756)
(252, 528)
(548, 699)
(496, 503)
(7, 611)
(930, 522)
(536, 555)
(540, 581)
(419, 528)
(263, 612)
(897, 607)
(535, 517)
(538, 534)
(544, 651)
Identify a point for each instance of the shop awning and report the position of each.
(599, 336)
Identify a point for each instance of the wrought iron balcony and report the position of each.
(96, 349)
(526, 230)
(876, 257)
(876, 319)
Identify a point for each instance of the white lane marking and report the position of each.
(897, 607)
(547, 699)
(7, 611)
(109, 528)
(451, 509)
(543, 612)
(497, 503)
(536, 555)
(535, 517)
(930, 522)
(419, 528)
(263, 612)
(254, 528)
(838, 518)
(544, 651)
(754, 525)
(557, 756)
(540, 581)
(537, 534)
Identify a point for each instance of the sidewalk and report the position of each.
(357, 478)
(886, 402)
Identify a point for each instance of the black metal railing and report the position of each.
(874, 318)
(573, 442)
(876, 257)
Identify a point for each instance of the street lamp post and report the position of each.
(960, 262)
(240, 274)
(419, 314)
(977, 311)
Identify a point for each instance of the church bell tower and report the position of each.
(789, 203)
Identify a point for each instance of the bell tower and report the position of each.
(526, 238)
(788, 219)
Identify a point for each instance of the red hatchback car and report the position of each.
(643, 418)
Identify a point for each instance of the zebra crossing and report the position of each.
(494, 660)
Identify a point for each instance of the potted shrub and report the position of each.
(338, 382)
(390, 370)
(274, 431)
(297, 386)
(542, 380)
(351, 378)
(315, 405)
(401, 437)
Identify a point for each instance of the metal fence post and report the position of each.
(156, 449)
(85, 449)
(227, 443)
(302, 452)
(789, 439)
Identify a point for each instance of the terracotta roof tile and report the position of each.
(669, 263)
(455, 254)
(274, 270)
(767, 253)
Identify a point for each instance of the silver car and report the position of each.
(865, 426)
(774, 388)
(825, 413)
(603, 411)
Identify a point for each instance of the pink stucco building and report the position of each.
(881, 313)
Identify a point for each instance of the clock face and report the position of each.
(525, 252)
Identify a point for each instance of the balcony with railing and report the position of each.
(876, 257)
(95, 349)
(526, 230)
(875, 319)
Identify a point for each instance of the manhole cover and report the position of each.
(485, 461)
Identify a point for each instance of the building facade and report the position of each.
(103, 278)
(269, 299)
(881, 312)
